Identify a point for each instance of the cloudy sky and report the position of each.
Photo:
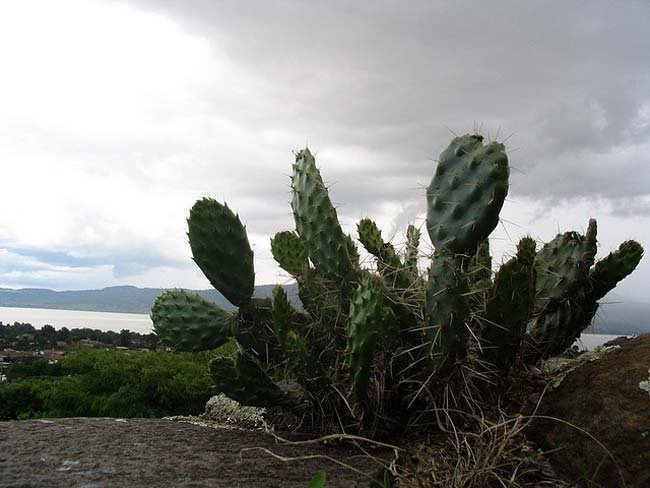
(115, 116)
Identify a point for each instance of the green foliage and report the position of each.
(377, 350)
(318, 481)
(100, 383)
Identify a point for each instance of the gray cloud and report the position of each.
(569, 83)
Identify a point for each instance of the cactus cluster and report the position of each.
(372, 349)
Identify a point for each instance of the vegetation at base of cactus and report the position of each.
(378, 351)
(242, 379)
(466, 194)
(220, 248)
(304, 364)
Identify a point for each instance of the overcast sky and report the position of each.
(115, 116)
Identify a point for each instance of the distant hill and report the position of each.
(615, 316)
(124, 299)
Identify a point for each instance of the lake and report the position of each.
(76, 319)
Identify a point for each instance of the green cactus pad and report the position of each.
(303, 362)
(316, 220)
(480, 265)
(554, 332)
(388, 263)
(510, 305)
(370, 236)
(365, 323)
(561, 268)
(411, 252)
(190, 323)
(220, 248)
(242, 379)
(466, 194)
(614, 267)
(447, 310)
(289, 251)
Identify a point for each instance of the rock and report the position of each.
(606, 399)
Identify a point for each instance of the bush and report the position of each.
(102, 383)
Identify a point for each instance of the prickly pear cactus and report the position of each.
(316, 220)
(374, 350)
(290, 253)
(190, 322)
(447, 311)
(509, 305)
(365, 326)
(220, 247)
(561, 266)
(466, 194)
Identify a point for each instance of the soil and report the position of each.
(102, 452)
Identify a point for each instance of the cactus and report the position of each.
(243, 380)
(305, 364)
(190, 322)
(365, 326)
(411, 253)
(220, 248)
(289, 251)
(317, 222)
(389, 264)
(466, 194)
(561, 266)
(447, 311)
(509, 305)
(368, 345)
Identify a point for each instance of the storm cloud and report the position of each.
(135, 108)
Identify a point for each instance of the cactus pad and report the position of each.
(614, 267)
(289, 251)
(466, 194)
(510, 304)
(561, 267)
(191, 323)
(447, 310)
(364, 328)
(316, 219)
(220, 248)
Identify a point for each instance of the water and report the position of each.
(76, 319)
(105, 321)
(592, 341)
